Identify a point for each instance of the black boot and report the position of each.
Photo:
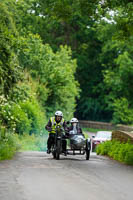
(48, 151)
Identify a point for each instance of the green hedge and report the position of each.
(122, 152)
(9, 144)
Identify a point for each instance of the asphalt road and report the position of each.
(37, 176)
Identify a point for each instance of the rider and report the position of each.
(51, 126)
(75, 126)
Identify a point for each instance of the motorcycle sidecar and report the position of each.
(78, 145)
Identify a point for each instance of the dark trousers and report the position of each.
(51, 140)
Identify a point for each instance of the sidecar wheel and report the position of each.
(87, 150)
(87, 154)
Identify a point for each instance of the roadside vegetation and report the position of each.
(10, 143)
(122, 152)
(33, 142)
(75, 57)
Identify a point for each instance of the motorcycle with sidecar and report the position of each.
(76, 144)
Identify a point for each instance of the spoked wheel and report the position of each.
(54, 154)
(53, 151)
(87, 150)
(57, 155)
(58, 149)
(87, 154)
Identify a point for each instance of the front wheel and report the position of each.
(58, 149)
(54, 154)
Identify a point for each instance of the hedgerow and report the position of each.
(122, 152)
(9, 144)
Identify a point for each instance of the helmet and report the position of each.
(59, 113)
(74, 120)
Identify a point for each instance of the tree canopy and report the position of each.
(72, 55)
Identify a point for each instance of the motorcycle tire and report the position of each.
(54, 154)
(87, 150)
(58, 149)
(87, 154)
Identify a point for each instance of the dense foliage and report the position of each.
(34, 80)
(72, 55)
(53, 72)
(9, 144)
(122, 152)
(100, 36)
(9, 66)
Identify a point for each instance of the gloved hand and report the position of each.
(49, 129)
(66, 132)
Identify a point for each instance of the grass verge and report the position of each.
(92, 130)
(9, 145)
(33, 142)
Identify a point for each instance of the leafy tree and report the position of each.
(99, 34)
(123, 113)
(53, 72)
(122, 14)
(68, 23)
(16, 96)
(116, 59)
(10, 71)
(71, 23)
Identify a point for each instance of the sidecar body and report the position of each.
(77, 144)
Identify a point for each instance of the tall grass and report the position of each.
(9, 145)
(33, 142)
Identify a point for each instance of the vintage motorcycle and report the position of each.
(76, 144)
(59, 138)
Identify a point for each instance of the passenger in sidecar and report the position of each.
(75, 127)
(77, 144)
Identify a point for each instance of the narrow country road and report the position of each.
(36, 176)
